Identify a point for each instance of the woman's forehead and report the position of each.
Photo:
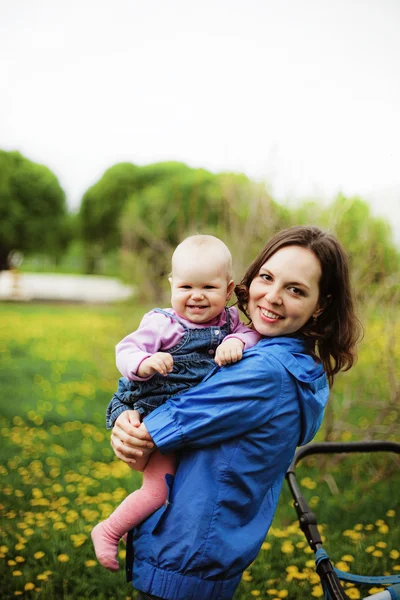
(295, 262)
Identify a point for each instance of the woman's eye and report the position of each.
(297, 291)
(266, 277)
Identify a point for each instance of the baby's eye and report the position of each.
(209, 287)
(186, 287)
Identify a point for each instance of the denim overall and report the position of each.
(193, 360)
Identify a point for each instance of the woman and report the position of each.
(240, 427)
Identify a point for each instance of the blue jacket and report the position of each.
(239, 430)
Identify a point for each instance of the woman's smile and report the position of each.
(269, 314)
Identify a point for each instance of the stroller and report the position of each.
(330, 577)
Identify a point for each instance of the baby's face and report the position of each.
(200, 290)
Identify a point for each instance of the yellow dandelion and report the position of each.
(63, 557)
(310, 564)
(38, 555)
(317, 591)
(375, 590)
(17, 573)
(3, 549)
(391, 513)
(292, 568)
(383, 529)
(90, 563)
(19, 559)
(287, 547)
(381, 544)
(377, 553)
(353, 593)
(348, 558)
(19, 546)
(343, 566)
(266, 546)
(308, 483)
(255, 592)
(394, 554)
(370, 549)
(29, 586)
(18, 593)
(283, 594)
(272, 592)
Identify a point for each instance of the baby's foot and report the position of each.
(105, 546)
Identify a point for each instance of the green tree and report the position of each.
(158, 217)
(33, 214)
(103, 203)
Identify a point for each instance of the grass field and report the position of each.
(58, 476)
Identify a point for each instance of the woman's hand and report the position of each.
(130, 439)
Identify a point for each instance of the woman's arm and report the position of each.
(233, 401)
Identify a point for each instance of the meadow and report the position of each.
(58, 476)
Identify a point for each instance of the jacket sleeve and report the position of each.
(230, 402)
(248, 336)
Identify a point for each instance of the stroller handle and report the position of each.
(341, 447)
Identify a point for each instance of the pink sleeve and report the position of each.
(155, 333)
(248, 336)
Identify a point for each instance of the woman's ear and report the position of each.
(230, 288)
(322, 306)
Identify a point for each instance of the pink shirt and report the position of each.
(157, 332)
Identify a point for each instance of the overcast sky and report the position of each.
(304, 94)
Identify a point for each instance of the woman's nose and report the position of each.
(273, 295)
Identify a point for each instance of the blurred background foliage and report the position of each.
(130, 220)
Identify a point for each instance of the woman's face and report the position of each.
(285, 292)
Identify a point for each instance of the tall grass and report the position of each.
(58, 476)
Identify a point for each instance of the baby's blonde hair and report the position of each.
(210, 244)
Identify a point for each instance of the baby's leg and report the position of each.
(134, 509)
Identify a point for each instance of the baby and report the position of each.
(172, 350)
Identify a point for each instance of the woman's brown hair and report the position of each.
(334, 334)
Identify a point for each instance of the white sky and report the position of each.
(304, 94)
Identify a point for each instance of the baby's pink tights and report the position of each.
(134, 509)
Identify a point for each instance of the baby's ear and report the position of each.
(230, 288)
(170, 281)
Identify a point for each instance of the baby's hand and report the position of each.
(160, 362)
(229, 352)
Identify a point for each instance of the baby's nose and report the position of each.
(197, 294)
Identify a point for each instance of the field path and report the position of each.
(67, 288)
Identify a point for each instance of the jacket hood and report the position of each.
(313, 389)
